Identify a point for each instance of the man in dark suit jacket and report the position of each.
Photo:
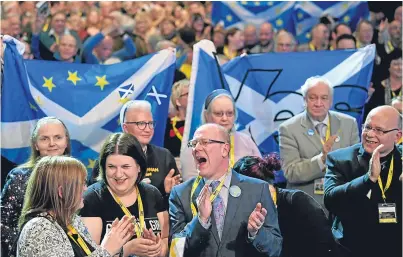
(136, 119)
(238, 220)
(361, 179)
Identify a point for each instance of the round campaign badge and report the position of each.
(337, 139)
(310, 132)
(235, 191)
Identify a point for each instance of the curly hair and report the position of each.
(260, 168)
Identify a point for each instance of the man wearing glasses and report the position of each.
(136, 119)
(363, 190)
(307, 138)
(221, 212)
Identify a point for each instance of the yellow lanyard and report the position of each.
(176, 131)
(390, 46)
(327, 133)
(312, 47)
(393, 93)
(212, 197)
(388, 180)
(400, 141)
(232, 152)
(80, 241)
(138, 229)
(228, 54)
(274, 197)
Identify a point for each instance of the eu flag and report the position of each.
(87, 97)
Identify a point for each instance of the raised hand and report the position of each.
(120, 232)
(375, 164)
(170, 181)
(256, 219)
(203, 204)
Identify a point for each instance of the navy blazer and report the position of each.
(234, 242)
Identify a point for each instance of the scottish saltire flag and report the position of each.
(206, 77)
(86, 97)
(266, 87)
(237, 14)
(307, 14)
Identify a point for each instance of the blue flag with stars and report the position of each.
(86, 97)
(307, 14)
(237, 14)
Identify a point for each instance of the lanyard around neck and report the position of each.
(76, 237)
(388, 181)
(138, 229)
(176, 131)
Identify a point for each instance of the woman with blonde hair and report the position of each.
(176, 124)
(54, 195)
(49, 137)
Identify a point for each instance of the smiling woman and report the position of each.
(50, 137)
(120, 191)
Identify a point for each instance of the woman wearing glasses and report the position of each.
(120, 191)
(49, 137)
(219, 108)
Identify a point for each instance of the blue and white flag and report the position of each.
(307, 14)
(237, 14)
(87, 97)
(266, 87)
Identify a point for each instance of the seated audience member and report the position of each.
(120, 191)
(363, 190)
(49, 137)
(307, 138)
(397, 103)
(390, 87)
(175, 125)
(364, 33)
(284, 42)
(49, 224)
(250, 37)
(136, 119)
(339, 29)
(319, 41)
(219, 108)
(346, 41)
(266, 42)
(233, 44)
(222, 213)
(49, 40)
(302, 220)
(99, 48)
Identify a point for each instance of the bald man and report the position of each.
(320, 39)
(250, 36)
(363, 190)
(266, 43)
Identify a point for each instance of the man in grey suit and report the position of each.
(221, 212)
(307, 138)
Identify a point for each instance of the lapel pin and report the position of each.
(310, 132)
(235, 191)
(337, 139)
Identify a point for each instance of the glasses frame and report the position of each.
(138, 124)
(207, 142)
(378, 132)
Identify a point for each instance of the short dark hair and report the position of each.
(261, 168)
(123, 144)
(346, 36)
(339, 25)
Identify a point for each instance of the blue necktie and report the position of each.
(218, 209)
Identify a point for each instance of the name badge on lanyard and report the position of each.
(318, 187)
(387, 213)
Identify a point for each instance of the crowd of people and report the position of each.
(217, 195)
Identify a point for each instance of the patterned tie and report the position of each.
(320, 127)
(219, 209)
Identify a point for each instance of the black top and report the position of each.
(172, 142)
(303, 225)
(354, 199)
(159, 162)
(98, 202)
